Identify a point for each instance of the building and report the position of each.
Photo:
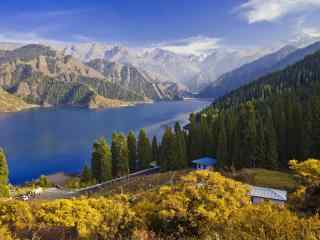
(204, 163)
(261, 194)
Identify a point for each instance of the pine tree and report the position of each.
(222, 151)
(132, 148)
(168, 151)
(101, 162)
(44, 182)
(205, 135)
(144, 150)
(4, 175)
(180, 147)
(261, 143)
(85, 175)
(120, 155)
(155, 150)
(315, 121)
(248, 135)
(272, 156)
(194, 141)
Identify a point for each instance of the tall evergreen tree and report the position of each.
(272, 156)
(205, 134)
(261, 143)
(101, 161)
(155, 150)
(85, 175)
(144, 150)
(180, 147)
(248, 135)
(222, 151)
(194, 141)
(120, 155)
(315, 121)
(132, 148)
(168, 151)
(4, 175)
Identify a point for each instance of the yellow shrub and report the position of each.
(16, 214)
(202, 200)
(267, 221)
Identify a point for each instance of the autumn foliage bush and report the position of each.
(203, 205)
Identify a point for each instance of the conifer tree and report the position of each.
(144, 150)
(261, 144)
(315, 121)
(222, 151)
(205, 134)
(194, 141)
(120, 155)
(132, 148)
(180, 147)
(155, 150)
(271, 144)
(101, 161)
(168, 151)
(4, 175)
(85, 175)
(248, 137)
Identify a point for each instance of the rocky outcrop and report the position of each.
(134, 79)
(45, 76)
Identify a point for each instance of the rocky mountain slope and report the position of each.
(164, 65)
(11, 103)
(249, 72)
(45, 76)
(132, 78)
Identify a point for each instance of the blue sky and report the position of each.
(141, 22)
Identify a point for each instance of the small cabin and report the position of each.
(261, 194)
(204, 163)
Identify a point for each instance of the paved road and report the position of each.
(54, 193)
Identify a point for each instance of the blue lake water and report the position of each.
(45, 141)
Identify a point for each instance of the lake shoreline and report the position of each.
(44, 141)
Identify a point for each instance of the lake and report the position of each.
(50, 140)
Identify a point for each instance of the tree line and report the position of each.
(128, 154)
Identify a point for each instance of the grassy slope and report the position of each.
(268, 178)
(141, 184)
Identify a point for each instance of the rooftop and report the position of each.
(207, 161)
(268, 193)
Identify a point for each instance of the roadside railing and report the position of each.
(110, 182)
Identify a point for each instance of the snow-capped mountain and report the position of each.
(191, 62)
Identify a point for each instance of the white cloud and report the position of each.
(27, 38)
(195, 46)
(311, 32)
(304, 32)
(271, 10)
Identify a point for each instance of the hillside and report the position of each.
(300, 78)
(270, 121)
(11, 103)
(47, 77)
(259, 68)
(132, 78)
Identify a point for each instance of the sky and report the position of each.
(204, 23)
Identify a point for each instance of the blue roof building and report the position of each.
(204, 163)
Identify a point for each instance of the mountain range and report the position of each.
(250, 72)
(45, 76)
(192, 71)
(106, 75)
